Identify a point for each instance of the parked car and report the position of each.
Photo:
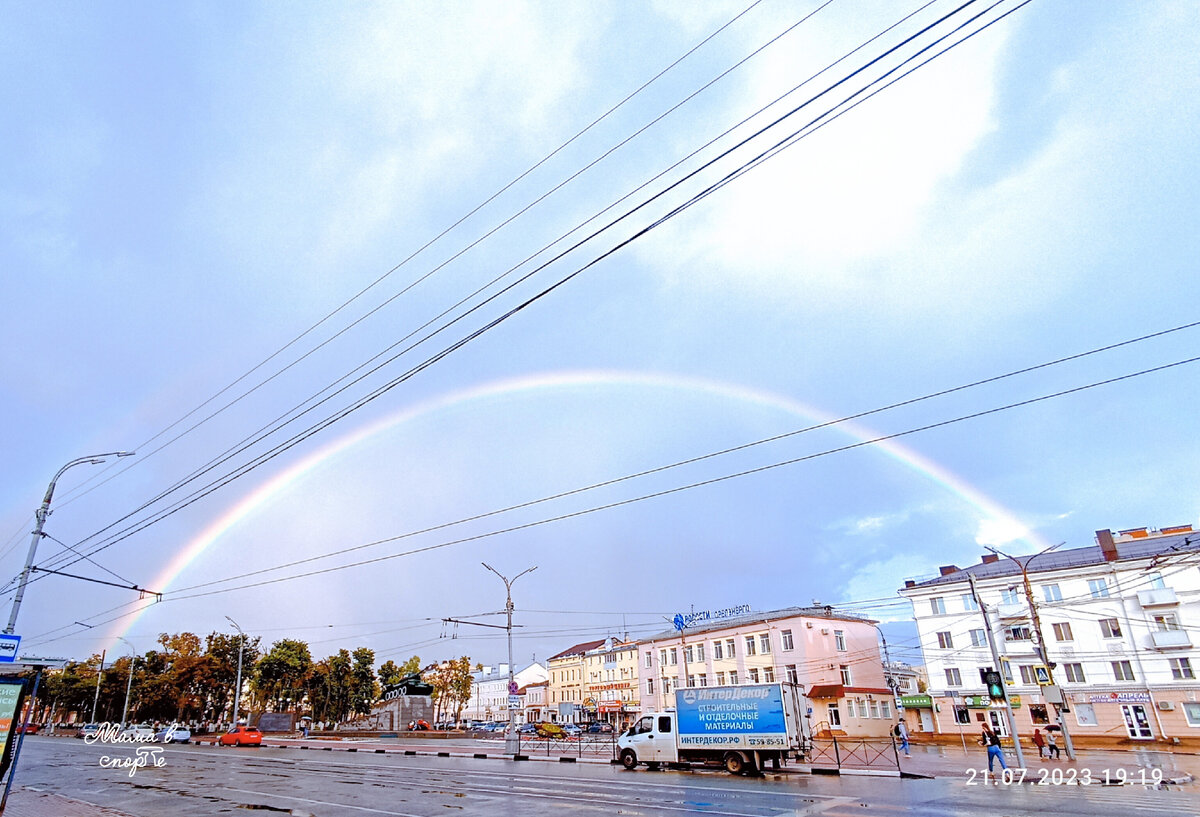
(600, 729)
(527, 729)
(87, 729)
(138, 731)
(571, 730)
(174, 734)
(31, 729)
(242, 736)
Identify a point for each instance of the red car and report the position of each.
(242, 736)
(31, 729)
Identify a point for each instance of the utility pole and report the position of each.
(1040, 644)
(237, 688)
(510, 730)
(129, 681)
(991, 637)
(99, 675)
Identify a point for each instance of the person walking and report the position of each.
(902, 733)
(992, 741)
(1040, 743)
(1052, 746)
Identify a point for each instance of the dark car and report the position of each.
(599, 729)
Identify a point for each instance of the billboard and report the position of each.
(741, 717)
(12, 694)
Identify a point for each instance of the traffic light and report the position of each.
(994, 682)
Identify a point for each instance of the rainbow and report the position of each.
(993, 512)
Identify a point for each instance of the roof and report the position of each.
(1126, 549)
(578, 649)
(826, 612)
(828, 691)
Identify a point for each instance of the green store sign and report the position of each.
(916, 701)
(984, 702)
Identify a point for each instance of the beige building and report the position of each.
(567, 683)
(611, 682)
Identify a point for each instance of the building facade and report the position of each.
(490, 691)
(1110, 625)
(611, 682)
(567, 689)
(834, 657)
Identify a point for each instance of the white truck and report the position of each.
(738, 727)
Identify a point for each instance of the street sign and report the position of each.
(8, 647)
(514, 701)
(1041, 675)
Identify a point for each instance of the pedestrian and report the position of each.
(902, 733)
(992, 741)
(1040, 743)
(1052, 745)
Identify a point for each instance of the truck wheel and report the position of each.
(735, 763)
(629, 759)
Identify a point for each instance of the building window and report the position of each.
(937, 606)
(846, 680)
(793, 677)
(691, 681)
(674, 657)
(1098, 588)
(1062, 631)
(1085, 715)
(662, 658)
(786, 635)
(962, 715)
(1051, 592)
(1181, 669)
(978, 638)
(1156, 581)
(720, 679)
(875, 709)
(885, 709)
(945, 642)
(969, 603)
(851, 703)
(717, 654)
(1110, 628)
(1167, 621)
(1017, 633)
(688, 658)
(729, 651)
(704, 679)
(649, 658)
(1026, 674)
(1074, 673)
(1038, 714)
(835, 717)
(764, 643)
(769, 675)
(733, 678)
(1122, 671)
(839, 640)
(699, 652)
(1009, 595)
(953, 677)
(1006, 669)
(1192, 713)
(649, 689)
(754, 675)
(666, 686)
(750, 648)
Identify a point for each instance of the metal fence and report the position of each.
(866, 755)
(589, 745)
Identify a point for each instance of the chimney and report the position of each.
(946, 570)
(909, 583)
(990, 558)
(1108, 548)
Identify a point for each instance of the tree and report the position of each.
(451, 682)
(390, 673)
(363, 689)
(222, 649)
(280, 675)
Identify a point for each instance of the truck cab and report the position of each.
(651, 740)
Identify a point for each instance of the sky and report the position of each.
(382, 292)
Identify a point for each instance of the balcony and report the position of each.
(1162, 597)
(1170, 639)
(1012, 611)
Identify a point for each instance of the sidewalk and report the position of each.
(23, 802)
(1133, 767)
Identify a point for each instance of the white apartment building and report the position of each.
(489, 691)
(1117, 620)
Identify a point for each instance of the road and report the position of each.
(205, 781)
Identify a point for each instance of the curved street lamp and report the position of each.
(42, 513)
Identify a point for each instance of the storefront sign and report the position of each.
(916, 701)
(984, 702)
(1121, 698)
(682, 621)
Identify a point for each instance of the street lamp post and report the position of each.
(99, 675)
(41, 514)
(510, 732)
(128, 683)
(237, 693)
